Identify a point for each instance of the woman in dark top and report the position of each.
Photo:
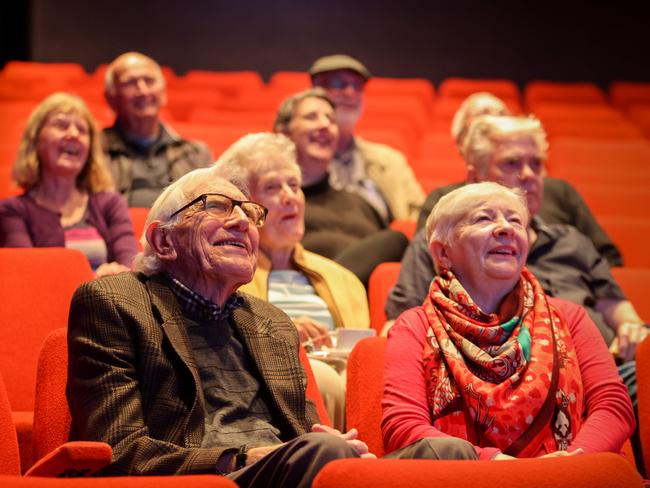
(68, 198)
(340, 225)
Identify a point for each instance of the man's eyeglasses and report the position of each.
(341, 84)
(222, 206)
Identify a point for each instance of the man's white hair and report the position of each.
(174, 197)
(475, 105)
(109, 76)
(484, 131)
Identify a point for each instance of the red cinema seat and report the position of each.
(51, 414)
(643, 392)
(537, 91)
(36, 287)
(381, 280)
(30, 70)
(630, 236)
(604, 470)
(289, 82)
(635, 283)
(626, 93)
(228, 83)
(461, 88)
(365, 388)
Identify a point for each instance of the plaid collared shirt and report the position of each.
(199, 307)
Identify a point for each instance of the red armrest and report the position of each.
(73, 459)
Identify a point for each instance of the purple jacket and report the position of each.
(24, 223)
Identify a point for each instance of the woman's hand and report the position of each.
(350, 437)
(113, 268)
(312, 331)
(629, 336)
(577, 452)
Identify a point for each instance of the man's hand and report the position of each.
(629, 336)
(254, 454)
(312, 331)
(350, 437)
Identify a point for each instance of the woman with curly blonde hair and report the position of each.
(68, 197)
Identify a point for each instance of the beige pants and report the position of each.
(332, 387)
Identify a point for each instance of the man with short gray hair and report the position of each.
(144, 154)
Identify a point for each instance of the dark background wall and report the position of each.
(596, 41)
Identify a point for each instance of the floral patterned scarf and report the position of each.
(488, 376)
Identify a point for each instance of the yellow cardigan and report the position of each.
(341, 290)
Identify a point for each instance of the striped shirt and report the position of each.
(292, 293)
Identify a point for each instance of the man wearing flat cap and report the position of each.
(377, 172)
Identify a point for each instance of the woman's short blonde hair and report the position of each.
(288, 106)
(255, 154)
(455, 205)
(477, 104)
(94, 176)
(175, 196)
(484, 131)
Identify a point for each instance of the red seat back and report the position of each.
(382, 279)
(9, 458)
(643, 383)
(365, 388)
(36, 287)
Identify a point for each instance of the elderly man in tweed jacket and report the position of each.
(177, 371)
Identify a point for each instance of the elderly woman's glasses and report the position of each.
(222, 206)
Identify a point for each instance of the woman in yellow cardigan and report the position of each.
(318, 294)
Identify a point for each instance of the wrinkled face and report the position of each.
(345, 88)
(214, 249)
(517, 162)
(314, 131)
(63, 144)
(279, 191)
(139, 89)
(489, 243)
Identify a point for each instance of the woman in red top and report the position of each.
(488, 357)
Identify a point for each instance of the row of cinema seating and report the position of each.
(409, 114)
(33, 361)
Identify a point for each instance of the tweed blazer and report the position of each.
(133, 382)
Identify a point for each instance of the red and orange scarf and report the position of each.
(488, 376)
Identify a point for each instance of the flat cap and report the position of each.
(336, 62)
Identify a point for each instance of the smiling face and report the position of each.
(489, 246)
(278, 189)
(345, 88)
(212, 251)
(315, 134)
(63, 144)
(139, 89)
